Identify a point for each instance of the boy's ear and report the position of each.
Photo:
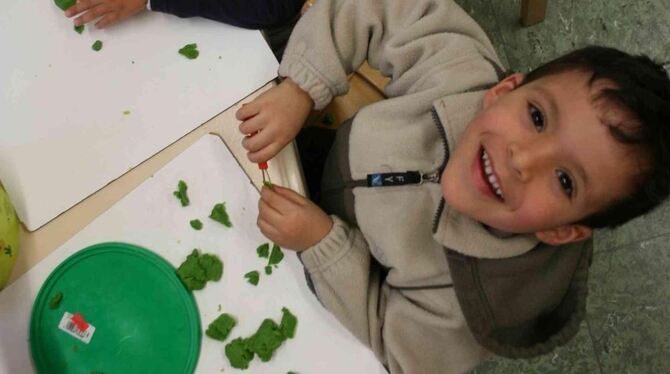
(564, 234)
(504, 86)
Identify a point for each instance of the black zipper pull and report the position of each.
(399, 179)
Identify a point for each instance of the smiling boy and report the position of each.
(455, 215)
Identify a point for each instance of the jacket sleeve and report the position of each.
(410, 331)
(412, 42)
(249, 14)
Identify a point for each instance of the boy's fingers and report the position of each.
(81, 6)
(268, 213)
(290, 195)
(107, 20)
(264, 154)
(251, 125)
(258, 141)
(276, 201)
(267, 229)
(91, 15)
(247, 110)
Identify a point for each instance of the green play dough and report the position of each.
(197, 269)
(79, 29)
(55, 301)
(64, 4)
(181, 193)
(239, 353)
(264, 342)
(97, 45)
(275, 256)
(252, 277)
(267, 339)
(190, 51)
(288, 324)
(220, 215)
(263, 250)
(196, 224)
(220, 327)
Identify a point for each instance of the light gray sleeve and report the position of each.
(410, 331)
(408, 41)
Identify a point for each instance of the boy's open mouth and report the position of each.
(489, 175)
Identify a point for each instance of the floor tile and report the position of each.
(654, 224)
(629, 308)
(575, 357)
(482, 12)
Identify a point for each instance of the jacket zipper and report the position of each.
(445, 145)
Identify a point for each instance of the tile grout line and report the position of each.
(620, 246)
(593, 345)
(503, 45)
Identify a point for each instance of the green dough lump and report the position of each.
(190, 51)
(181, 193)
(267, 339)
(196, 224)
(275, 256)
(64, 4)
(55, 301)
(220, 215)
(220, 327)
(97, 45)
(239, 353)
(288, 323)
(252, 277)
(197, 269)
(263, 250)
(79, 28)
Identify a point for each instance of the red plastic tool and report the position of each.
(264, 168)
(79, 322)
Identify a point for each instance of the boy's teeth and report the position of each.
(490, 176)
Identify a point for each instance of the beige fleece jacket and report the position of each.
(387, 280)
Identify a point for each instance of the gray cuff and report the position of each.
(330, 249)
(308, 79)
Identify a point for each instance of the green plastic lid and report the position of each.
(145, 320)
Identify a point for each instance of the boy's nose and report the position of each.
(530, 158)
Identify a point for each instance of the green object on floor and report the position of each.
(97, 46)
(79, 29)
(131, 296)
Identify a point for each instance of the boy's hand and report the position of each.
(109, 11)
(290, 220)
(277, 115)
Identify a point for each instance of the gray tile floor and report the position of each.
(627, 329)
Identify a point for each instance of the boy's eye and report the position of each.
(537, 117)
(565, 182)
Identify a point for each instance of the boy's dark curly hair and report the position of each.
(642, 91)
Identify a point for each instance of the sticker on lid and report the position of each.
(75, 325)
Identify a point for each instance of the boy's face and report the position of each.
(538, 158)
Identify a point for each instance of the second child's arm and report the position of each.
(249, 14)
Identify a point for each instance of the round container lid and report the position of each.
(144, 318)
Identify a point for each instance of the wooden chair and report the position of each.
(533, 11)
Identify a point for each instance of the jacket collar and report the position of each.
(454, 230)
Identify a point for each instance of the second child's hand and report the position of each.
(107, 12)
